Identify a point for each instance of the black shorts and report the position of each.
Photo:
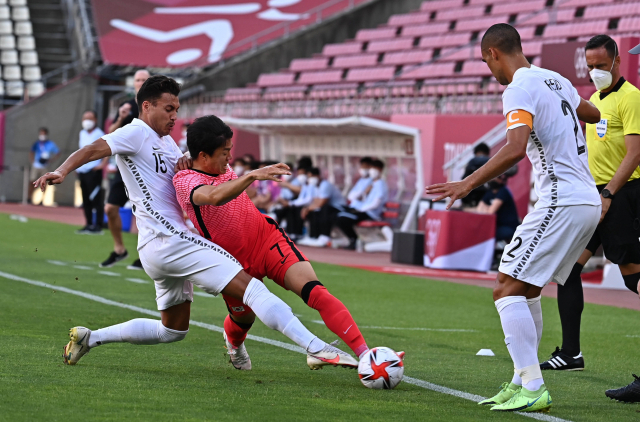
(619, 231)
(117, 191)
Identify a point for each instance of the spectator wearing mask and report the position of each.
(117, 197)
(90, 176)
(499, 201)
(295, 223)
(182, 143)
(43, 152)
(322, 211)
(286, 194)
(268, 191)
(371, 207)
(359, 191)
(480, 157)
(238, 166)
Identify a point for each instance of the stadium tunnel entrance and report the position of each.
(336, 146)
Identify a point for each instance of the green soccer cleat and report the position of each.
(507, 390)
(527, 401)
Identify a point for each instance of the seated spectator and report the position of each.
(238, 166)
(267, 191)
(481, 156)
(370, 209)
(281, 207)
(358, 191)
(42, 153)
(498, 200)
(322, 211)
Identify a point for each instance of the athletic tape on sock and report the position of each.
(534, 300)
(529, 373)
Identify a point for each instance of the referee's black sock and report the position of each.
(631, 281)
(570, 305)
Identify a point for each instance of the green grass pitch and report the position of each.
(192, 380)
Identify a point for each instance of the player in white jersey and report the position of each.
(542, 110)
(171, 255)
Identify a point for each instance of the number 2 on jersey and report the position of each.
(567, 110)
(160, 164)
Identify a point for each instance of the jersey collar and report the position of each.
(204, 172)
(616, 88)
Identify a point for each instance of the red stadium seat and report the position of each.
(357, 60)
(300, 65)
(407, 57)
(425, 29)
(480, 24)
(612, 10)
(390, 45)
(375, 34)
(371, 74)
(457, 13)
(284, 93)
(429, 6)
(521, 7)
(275, 79)
(322, 77)
(629, 24)
(433, 70)
(475, 68)
(448, 40)
(326, 92)
(576, 29)
(340, 49)
(409, 19)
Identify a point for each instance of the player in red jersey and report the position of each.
(217, 204)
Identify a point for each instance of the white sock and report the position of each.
(535, 307)
(277, 315)
(520, 337)
(136, 331)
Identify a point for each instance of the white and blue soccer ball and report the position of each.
(381, 368)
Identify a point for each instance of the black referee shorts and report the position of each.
(619, 232)
(117, 191)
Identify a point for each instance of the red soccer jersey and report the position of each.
(237, 226)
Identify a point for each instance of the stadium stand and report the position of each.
(430, 52)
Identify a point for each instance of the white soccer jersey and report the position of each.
(146, 162)
(556, 148)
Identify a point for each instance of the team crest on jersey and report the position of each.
(601, 128)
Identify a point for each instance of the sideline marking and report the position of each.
(292, 347)
(138, 280)
(374, 327)
(109, 273)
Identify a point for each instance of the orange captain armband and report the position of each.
(517, 118)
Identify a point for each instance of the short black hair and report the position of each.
(305, 163)
(315, 171)
(603, 41)
(207, 134)
(153, 88)
(44, 129)
(235, 160)
(502, 36)
(95, 115)
(482, 148)
(366, 160)
(377, 164)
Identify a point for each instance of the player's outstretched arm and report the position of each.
(95, 151)
(227, 191)
(514, 151)
(587, 112)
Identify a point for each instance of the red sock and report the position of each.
(337, 318)
(236, 332)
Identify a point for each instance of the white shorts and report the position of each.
(548, 243)
(176, 263)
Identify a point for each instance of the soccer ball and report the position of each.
(381, 368)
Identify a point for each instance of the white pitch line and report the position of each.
(54, 262)
(109, 273)
(446, 330)
(82, 267)
(138, 280)
(293, 348)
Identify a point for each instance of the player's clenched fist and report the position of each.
(51, 178)
(271, 172)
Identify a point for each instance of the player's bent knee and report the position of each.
(307, 288)
(167, 335)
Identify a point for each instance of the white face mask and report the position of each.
(301, 178)
(313, 181)
(42, 137)
(364, 172)
(239, 170)
(601, 78)
(88, 124)
(374, 173)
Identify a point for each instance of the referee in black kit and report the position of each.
(614, 156)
